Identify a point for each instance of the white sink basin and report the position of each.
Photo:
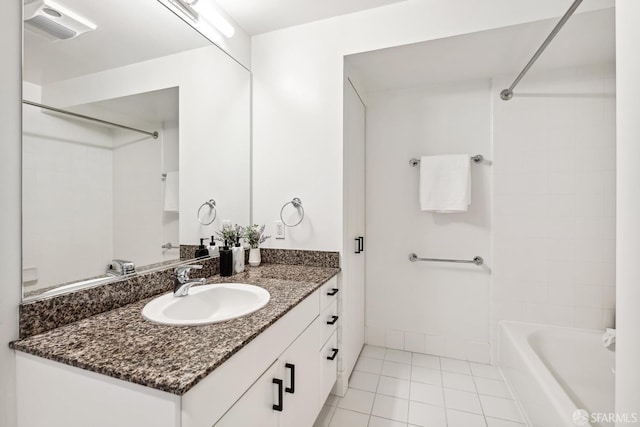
(206, 304)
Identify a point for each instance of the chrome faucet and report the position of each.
(182, 283)
(121, 267)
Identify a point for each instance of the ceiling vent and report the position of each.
(50, 19)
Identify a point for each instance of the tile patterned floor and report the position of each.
(394, 388)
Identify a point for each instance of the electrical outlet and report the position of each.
(279, 230)
(226, 223)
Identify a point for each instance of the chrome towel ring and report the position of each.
(296, 203)
(212, 208)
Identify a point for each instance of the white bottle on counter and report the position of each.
(238, 258)
(214, 250)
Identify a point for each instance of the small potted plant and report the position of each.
(254, 234)
(230, 234)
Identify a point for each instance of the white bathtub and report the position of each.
(554, 371)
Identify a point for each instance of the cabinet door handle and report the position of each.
(333, 291)
(358, 250)
(291, 389)
(360, 244)
(278, 407)
(333, 354)
(333, 320)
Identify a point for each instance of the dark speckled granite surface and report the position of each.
(120, 343)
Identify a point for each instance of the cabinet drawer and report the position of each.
(329, 293)
(329, 366)
(328, 320)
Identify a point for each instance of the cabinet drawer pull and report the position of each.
(333, 354)
(278, 407)
(291, 389)
(333, 291)
(333, 320)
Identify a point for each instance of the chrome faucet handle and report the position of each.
(182, 273)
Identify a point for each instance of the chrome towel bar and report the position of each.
(477, 260)
(478, 158)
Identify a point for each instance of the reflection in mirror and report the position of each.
(99, 199)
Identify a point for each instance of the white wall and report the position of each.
(214, 128)
(628, 207)
(554, 202)
(435, 308)
(10, 262)
(297, 103)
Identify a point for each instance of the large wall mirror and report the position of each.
(95, 192)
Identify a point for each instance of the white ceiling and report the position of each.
(128, 32)
(159, 106)
(261, 16)
(587, 38)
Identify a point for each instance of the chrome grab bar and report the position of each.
(477, 260)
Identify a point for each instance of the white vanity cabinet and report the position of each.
(239, 393)
(287, 394)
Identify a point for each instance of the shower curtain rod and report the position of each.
(154, 134)
(507, 94)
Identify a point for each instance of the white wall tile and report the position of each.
(394, 339)
(414, 342)
(565, 225)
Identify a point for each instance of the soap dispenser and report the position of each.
(202, 251)
(213, 249)
(226, 261)
(238, 257)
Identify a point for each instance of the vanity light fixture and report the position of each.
(201, 15)
(51, 19)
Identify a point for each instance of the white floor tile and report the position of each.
(497, 407)
(345, 418)
(368, 364)
(357, 400)
(485, 371)
(425, 360)
(491, 387)
(426, 375)
(455, 365)
(458, 381)
(396, 370)
(373, 351)
(324, 418)
(364, 381)
(383, 422)
(399, 356)
(391, 408)
(427, 393)
(423, 415)
(494, 422)
(464, 419)
(394, 387)
(462, 400)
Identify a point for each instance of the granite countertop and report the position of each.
(120, 343)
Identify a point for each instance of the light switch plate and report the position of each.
(279, 230)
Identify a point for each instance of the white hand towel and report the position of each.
(171, 203)
(445, 183)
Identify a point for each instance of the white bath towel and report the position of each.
(171, 203)
(445, 183)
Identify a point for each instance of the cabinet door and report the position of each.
(256, 406)
(352, 295)
(302, 378)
